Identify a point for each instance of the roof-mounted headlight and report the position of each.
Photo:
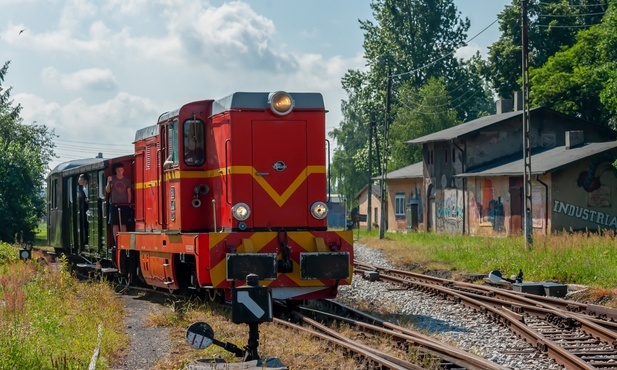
(241, 211)
(280, 102)
(319, 210)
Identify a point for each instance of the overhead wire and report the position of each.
(445, 55)
(573, 5)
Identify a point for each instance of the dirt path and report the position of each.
(148, 345)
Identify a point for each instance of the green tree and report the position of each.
(552, 26)
(25, 152)
(411, 42)
(581, 80)
(422, 111)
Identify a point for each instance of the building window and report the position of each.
(399, 204)
(445, 153)
(453, 155)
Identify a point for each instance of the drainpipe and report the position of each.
(464, 183)
(545, 204)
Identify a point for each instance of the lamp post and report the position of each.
(384, 169)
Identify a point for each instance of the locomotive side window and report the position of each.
(172, 146)
(193, 131)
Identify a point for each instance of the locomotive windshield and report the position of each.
(193, 131)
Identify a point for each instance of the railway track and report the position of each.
(408, 349)
(577, 336)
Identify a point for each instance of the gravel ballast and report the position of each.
(451, 323)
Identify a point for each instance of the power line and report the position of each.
(85, 142)
(445, 55)
(569, 15)
(443, 111)
(572, 26)
(573, 5)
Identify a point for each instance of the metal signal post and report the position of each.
(528, 225)
(384, 168)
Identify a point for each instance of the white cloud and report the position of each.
(160, 54)
(86, 79)
(468, 51)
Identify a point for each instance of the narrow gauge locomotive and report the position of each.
(221, 189)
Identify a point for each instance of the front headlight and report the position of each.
(280, 103)
(241, 211)
(319, 210)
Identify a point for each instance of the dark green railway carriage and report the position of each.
(71, 229)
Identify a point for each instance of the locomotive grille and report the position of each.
(147, 157)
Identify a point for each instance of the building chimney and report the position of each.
(518, 100)
(574, 139)
(504, 106)
(100, 155)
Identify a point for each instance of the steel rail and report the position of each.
(512, 319)
(430, 346)
(384, 360)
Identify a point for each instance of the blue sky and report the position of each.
(96, 71)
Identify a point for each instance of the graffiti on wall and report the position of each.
(450, 212)
(590, 179)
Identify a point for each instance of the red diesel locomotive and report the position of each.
(221, 189)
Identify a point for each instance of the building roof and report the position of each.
(376, 190)
(542, 161)
(414, 171)
(467, 127)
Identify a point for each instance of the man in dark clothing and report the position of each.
(82, 196)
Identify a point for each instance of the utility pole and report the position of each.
(384, 168)
(528, 225)
(369, 211)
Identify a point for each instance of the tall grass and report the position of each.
(578, 258)
(49, 320)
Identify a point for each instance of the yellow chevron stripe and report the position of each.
(280, 199)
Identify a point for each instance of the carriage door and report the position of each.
(279, 161)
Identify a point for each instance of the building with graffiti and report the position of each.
(472, 175)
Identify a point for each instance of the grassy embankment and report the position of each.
(49, 320)
(565, 258)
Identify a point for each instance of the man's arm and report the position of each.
(129, 192)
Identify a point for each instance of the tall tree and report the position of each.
(25, 152)
(421, 111)
(411, 42)
(581, 80)
(553, 25)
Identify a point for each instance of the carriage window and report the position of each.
(70, 187)
(54, 193)
(193, 132)
(102, 183)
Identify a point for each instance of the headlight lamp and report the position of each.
(280, 102)
(241, 211)
(319, 210)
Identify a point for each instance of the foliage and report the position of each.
(431, 114)
(571, 81)
(50, 321)
(8, 253)
(25, 151)
(552, 26)
(411, 43)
